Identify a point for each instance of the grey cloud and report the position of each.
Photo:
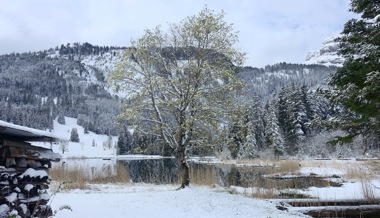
(270, 31)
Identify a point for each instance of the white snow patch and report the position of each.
(28, 187)
(3, 209)
(43, 196)
(349, 190)
(24, 208)
(33, 173)
(90, 145)
(11, 197)
(163, 201)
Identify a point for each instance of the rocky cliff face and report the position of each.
(327, 55)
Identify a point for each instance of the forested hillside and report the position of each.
(280, 107)
(37, 87)
(267, 81)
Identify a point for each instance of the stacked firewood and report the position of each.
(24, 179)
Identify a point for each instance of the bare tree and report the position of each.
(180, 83)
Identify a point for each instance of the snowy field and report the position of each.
(149, 200)
(90, 145)
(142, 200)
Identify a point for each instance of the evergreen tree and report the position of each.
(241, 137)
(124, 141)
(235, 138)
(308, 103)
(121, 146)
(85, 129)
(255, 117)
(61, 118)
(283, 110)
(248, 144)
(272, 131)
(356, 84)
(297, 117)
(296, 112)
(74, 137)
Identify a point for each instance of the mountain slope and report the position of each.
(264, 82)
(71, 80)
(37, 87)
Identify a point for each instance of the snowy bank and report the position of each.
(142, 200)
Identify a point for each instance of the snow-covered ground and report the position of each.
(144, 200)
(352, 188)
(150, 200)
(90, 145)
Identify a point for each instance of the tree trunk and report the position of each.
(183, 167)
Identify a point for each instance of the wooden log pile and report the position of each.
(24, 179)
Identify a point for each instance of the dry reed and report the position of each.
(265, 193)
(288, 167)
(69, 178)
(122, 176)
(79, 177)
(368, 190)
(203, 175)
(278, 166)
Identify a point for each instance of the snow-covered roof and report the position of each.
(22, 133)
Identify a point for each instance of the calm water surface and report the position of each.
(165, 171)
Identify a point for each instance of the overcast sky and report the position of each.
(270, 31)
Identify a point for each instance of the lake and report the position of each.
(165, 171)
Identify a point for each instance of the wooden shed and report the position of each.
(24, 179)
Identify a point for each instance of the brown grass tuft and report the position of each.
(122, 176)
(265, 193)
(70, 178)
(368, 190)
(78, 178)
(288, 166)
(203, 175)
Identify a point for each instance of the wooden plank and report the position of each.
(10, 143)
(367, 211)
(34, 153)
(316, 202)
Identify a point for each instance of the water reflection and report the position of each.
(165, 171)
(158, 171)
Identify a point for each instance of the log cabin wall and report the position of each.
(24, 180)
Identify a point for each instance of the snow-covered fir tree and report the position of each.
(124, 141)
(356, 84)
(274, 139)
(74, 136)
